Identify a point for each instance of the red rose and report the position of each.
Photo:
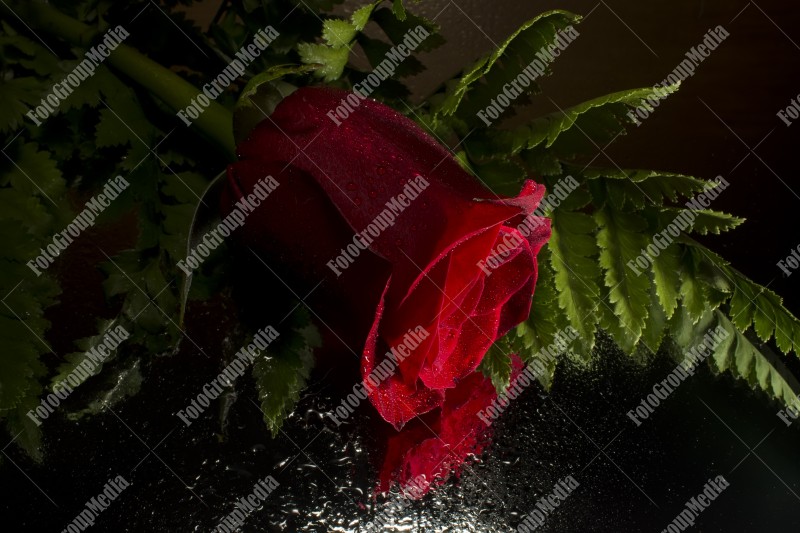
(427, 228)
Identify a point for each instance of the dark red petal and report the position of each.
(396, 401)
(475, 337)
(366, 162)
(297, 248)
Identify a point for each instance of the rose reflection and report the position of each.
(432, 447)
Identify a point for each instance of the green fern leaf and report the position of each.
(496, 365)
(573, 250)
(546, 319)
(666, 276)
(331, 60)
(738, 355)
(569, 132)
(517, 51)
(620, 241)
(639, 188)
(282, 373)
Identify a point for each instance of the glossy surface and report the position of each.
(327, 473)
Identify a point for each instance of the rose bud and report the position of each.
(401, 236)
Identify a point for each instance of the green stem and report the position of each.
(216, 122)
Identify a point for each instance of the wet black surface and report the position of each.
(631, 478)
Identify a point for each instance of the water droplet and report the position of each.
(351, 186)
(381, 170)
